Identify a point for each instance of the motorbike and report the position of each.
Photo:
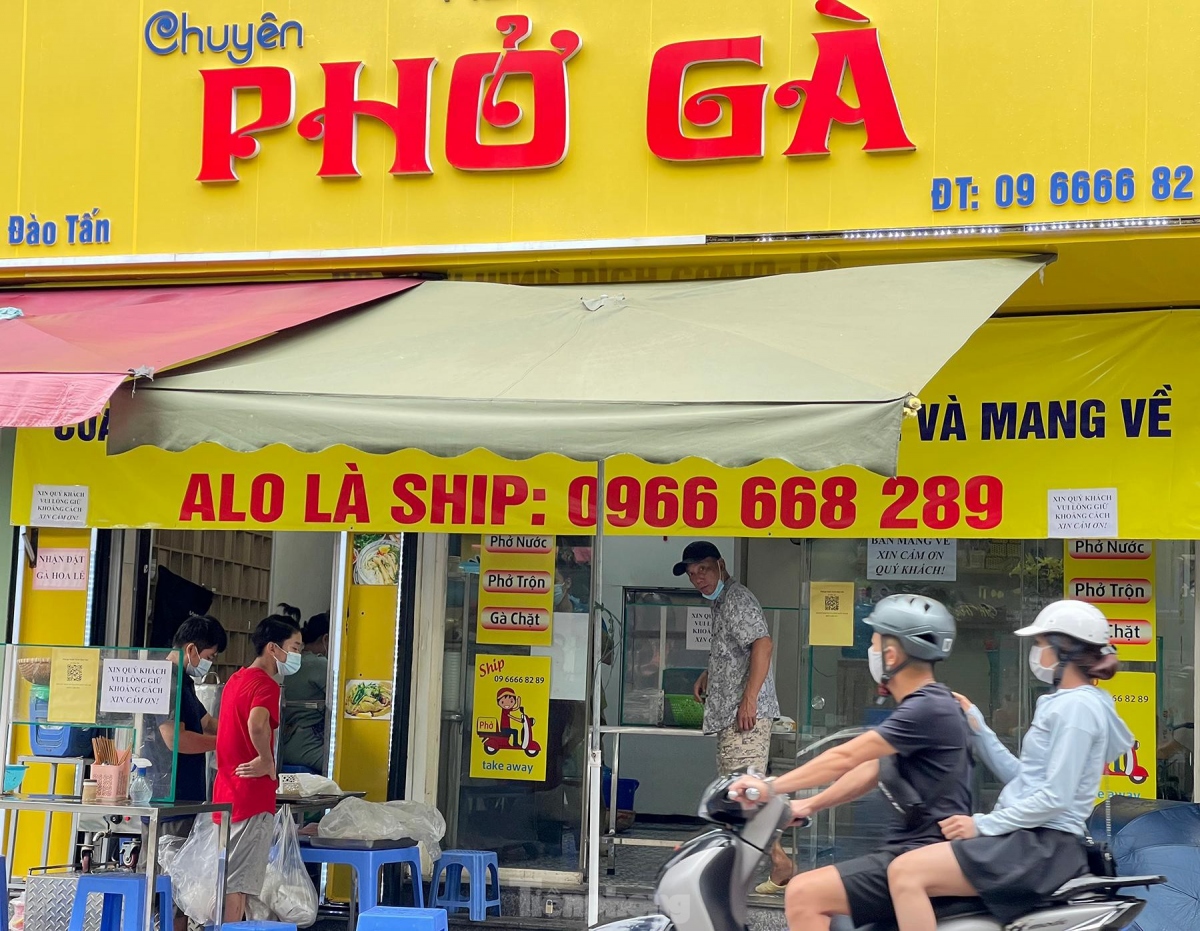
(705, 885)
(1127, 765)
(494, 743)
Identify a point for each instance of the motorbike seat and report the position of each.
(943, 908)
(1090, 885)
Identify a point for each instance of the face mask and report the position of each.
(558, 592)
(291, 666)
(716, 591)
(1039, 671)
(875, 664)
(201, 669)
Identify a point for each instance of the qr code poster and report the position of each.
(831, 614)
(74, 683)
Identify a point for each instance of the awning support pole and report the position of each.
(596, 746)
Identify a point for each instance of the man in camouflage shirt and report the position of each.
(738, 688)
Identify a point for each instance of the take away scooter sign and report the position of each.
(511, 712)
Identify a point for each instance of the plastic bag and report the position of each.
(306, 785)
(256, 910)
(193, 872)
(287, 891)
(168, 851)
(356, 819)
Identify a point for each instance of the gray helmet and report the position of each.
(925, 629)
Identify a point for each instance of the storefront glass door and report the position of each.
(531, 812)
(994, 587)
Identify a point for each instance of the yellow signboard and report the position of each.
(1078, 406)
(1118, 577)
(239, 131)
(512, 708)
(1135, 773)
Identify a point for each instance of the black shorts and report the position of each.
(866, 882)
(1013, 873)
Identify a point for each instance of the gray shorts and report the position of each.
(246, 861)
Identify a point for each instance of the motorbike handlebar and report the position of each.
(751, 794)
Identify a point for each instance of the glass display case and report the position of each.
(665, 646)
(114, 707)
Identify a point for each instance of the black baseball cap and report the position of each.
(694, 553)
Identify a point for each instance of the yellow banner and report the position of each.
(512, 708)
(270, 133)
(210, 487)
(1136, 773)
(1071, 408)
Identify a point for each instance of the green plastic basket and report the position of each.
(686, 711)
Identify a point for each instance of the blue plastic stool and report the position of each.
(367, 864)
(383, 918)
(484, 891)
(259, 926)
(166, 902)
(124, 901)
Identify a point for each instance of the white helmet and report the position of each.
(1085, 622)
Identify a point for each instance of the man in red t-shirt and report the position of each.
(246, 729)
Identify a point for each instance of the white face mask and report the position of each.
(875, 664)
(1040, 672)
(290, 666)
(201, 669)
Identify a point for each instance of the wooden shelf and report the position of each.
(235, 565)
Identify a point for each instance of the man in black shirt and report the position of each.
(200, 638)
(918, 755)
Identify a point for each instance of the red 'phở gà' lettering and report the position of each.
(474, 99)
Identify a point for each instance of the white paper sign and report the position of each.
(1081, 512)
(568, 657)
(61, 570)
(699, 629)
(136, 686)
(59, 506)
(932, 558)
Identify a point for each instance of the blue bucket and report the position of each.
(626, 788)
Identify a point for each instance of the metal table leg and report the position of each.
(222, 849)
(150, 855)
(49, 817)
(12, 846)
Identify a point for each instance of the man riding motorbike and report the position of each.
(919, 756)
(1033, 841)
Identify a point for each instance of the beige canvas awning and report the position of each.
(814, 369)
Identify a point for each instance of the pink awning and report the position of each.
(63, 353)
